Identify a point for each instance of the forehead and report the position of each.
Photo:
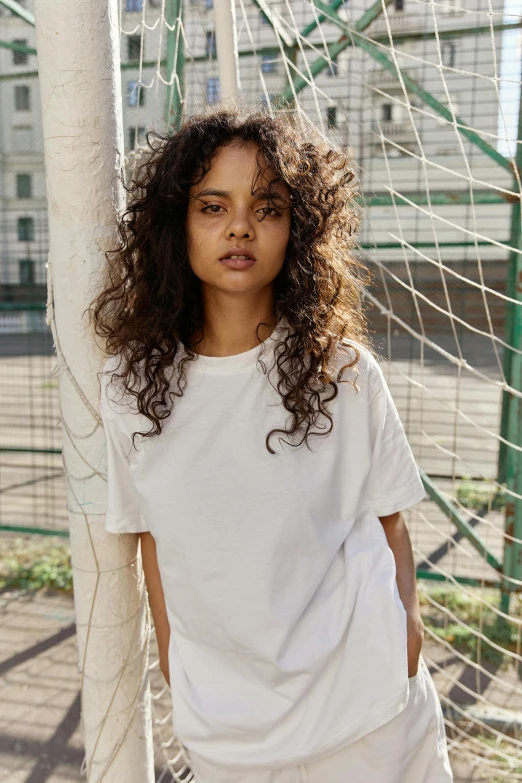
(236, 167)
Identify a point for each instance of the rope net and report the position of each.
(427, 95)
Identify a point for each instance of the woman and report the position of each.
(268, 491)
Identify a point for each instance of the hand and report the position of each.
(415, 628)
(164, 668)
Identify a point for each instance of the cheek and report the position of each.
(280, 237)
(202, 231)
(196, 243)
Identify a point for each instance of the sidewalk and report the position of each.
(40, 736)
(40, 732)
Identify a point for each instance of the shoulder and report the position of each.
(112, 363)
(360, 364)
(114, 398)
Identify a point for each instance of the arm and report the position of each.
(156, 600)
(400, 544)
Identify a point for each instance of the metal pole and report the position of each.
(175, 64)
(79, 58)
(510, 459)
(226, 49)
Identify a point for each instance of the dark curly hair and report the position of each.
(151, 300)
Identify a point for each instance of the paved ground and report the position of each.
(40, 737)
(40, 734)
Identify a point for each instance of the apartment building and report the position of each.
(401, 142)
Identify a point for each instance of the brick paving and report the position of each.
(40, 732)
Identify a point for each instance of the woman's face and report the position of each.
(224, 218)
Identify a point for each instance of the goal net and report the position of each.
(427, 94)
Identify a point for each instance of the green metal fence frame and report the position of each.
(175, 64)
(510, 459)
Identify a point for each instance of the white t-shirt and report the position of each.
(288, 635)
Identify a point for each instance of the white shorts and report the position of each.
(411, 748)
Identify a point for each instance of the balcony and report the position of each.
(382, 78)
(399, 22)
(395, 131)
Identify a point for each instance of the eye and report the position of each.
(268, 212)
(212, 208)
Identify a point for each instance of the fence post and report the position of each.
(80, 86)
(175, 63)
(510, 459)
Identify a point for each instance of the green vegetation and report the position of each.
(473, 616)
(476, 493)
(30, 563)
(503, 747)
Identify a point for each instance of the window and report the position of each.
(133, 47)
(26, 266)
(134, 5)
(332, 69)
(22, 97)
(133, 90)
(447, 53)
(268, 63)
(211, 43)
(399, 5)
(24, 186)
(136, 137)
(25, 229)
(20, 58)
(213, 93)
(386, 112)
(210, 3)
(331, 116)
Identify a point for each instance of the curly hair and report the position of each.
(150, 304)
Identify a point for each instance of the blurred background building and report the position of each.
(358, 102)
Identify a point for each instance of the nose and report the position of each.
(240, 226)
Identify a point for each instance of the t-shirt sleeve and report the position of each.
(393, 483)
(123, 513)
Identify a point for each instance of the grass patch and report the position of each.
(473, 615)
(503, 747)
(27, 563)
(476, 493)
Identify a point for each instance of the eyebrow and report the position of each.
(258, 194)
(213, 192)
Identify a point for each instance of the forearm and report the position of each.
(399, 542)
(156, 600)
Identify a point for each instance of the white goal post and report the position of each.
(78, 60)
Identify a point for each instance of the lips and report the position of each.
(238, 258)
(237, 262)
(242, 252)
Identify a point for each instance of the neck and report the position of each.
(231, 323)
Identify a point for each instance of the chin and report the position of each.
(240, 287)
